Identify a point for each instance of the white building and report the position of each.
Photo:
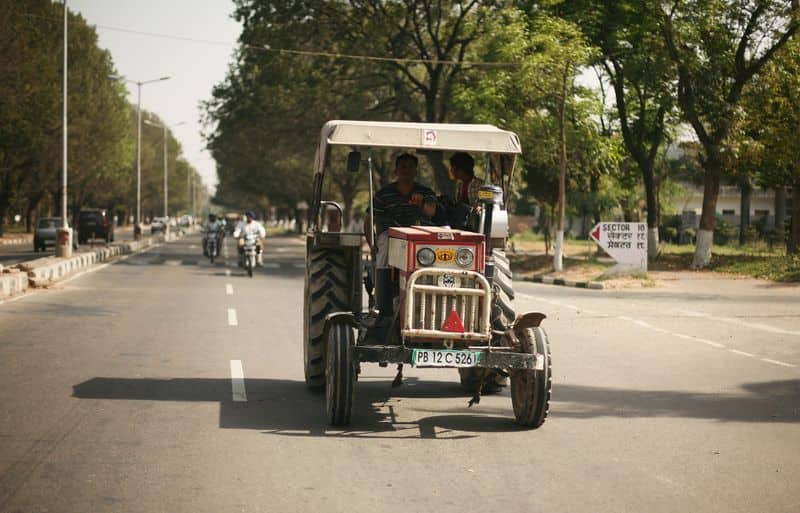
(762, 203)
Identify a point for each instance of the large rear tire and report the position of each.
(326, 292)
(340, 373)
(530, 389)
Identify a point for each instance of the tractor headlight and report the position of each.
(426, 257)
(465, 257)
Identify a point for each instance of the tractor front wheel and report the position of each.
(340, 373)
(530, 388)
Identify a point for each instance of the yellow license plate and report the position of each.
(445, 255)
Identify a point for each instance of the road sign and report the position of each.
(624, 242)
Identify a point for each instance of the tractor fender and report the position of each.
(348, 317)
(528, 320)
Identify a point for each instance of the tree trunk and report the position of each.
(347, 215)
(33, 204)
(780, 208)
(794, 237)
(594, 187)
(746, 188)
(652, 208)
(708, 220)
(3, 214)
(440, 175)
(558, 256)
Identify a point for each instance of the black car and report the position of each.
(95, 223)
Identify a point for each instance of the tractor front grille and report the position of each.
(429, 304)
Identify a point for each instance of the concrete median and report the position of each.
(46, 271)
(12, 282)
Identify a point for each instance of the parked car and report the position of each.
(45, 233)
(95, 224)
(159, 225)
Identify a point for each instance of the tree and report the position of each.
(540, 91)
(637, 64)
(718, 46)
(30, 107)
(772, 120)
(29, 102)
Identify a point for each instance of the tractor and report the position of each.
(446, 299)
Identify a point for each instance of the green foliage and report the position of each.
(101, 130)
(718, 47)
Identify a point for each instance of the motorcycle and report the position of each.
(249, 253)
(211, 246)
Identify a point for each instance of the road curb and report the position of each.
(549, 280)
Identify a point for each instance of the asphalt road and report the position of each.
(120, 392)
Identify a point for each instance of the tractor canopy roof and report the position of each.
(418, 136)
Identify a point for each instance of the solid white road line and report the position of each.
(237, 381)
(172, 262)
(271, 265)
(683, 336)
(300, 265)
(229, 289)
(732, 320)
(232, 320)
(227, 272)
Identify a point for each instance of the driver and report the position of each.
(404, 202)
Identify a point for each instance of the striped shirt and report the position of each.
(392, 208)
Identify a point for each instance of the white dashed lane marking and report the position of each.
(227, 272)
(229, 289)
(232, 320)
(237, 381)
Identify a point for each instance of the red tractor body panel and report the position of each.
(404, 243)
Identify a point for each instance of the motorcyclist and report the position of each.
(213, 226)
(250, 227)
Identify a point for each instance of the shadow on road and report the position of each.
(288, 408)
(767, 401)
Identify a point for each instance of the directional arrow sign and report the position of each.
(624, 242)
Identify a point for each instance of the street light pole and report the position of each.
(166, 141)
(137, 228)
(64, 222)
(166, 185)
(64, 240)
